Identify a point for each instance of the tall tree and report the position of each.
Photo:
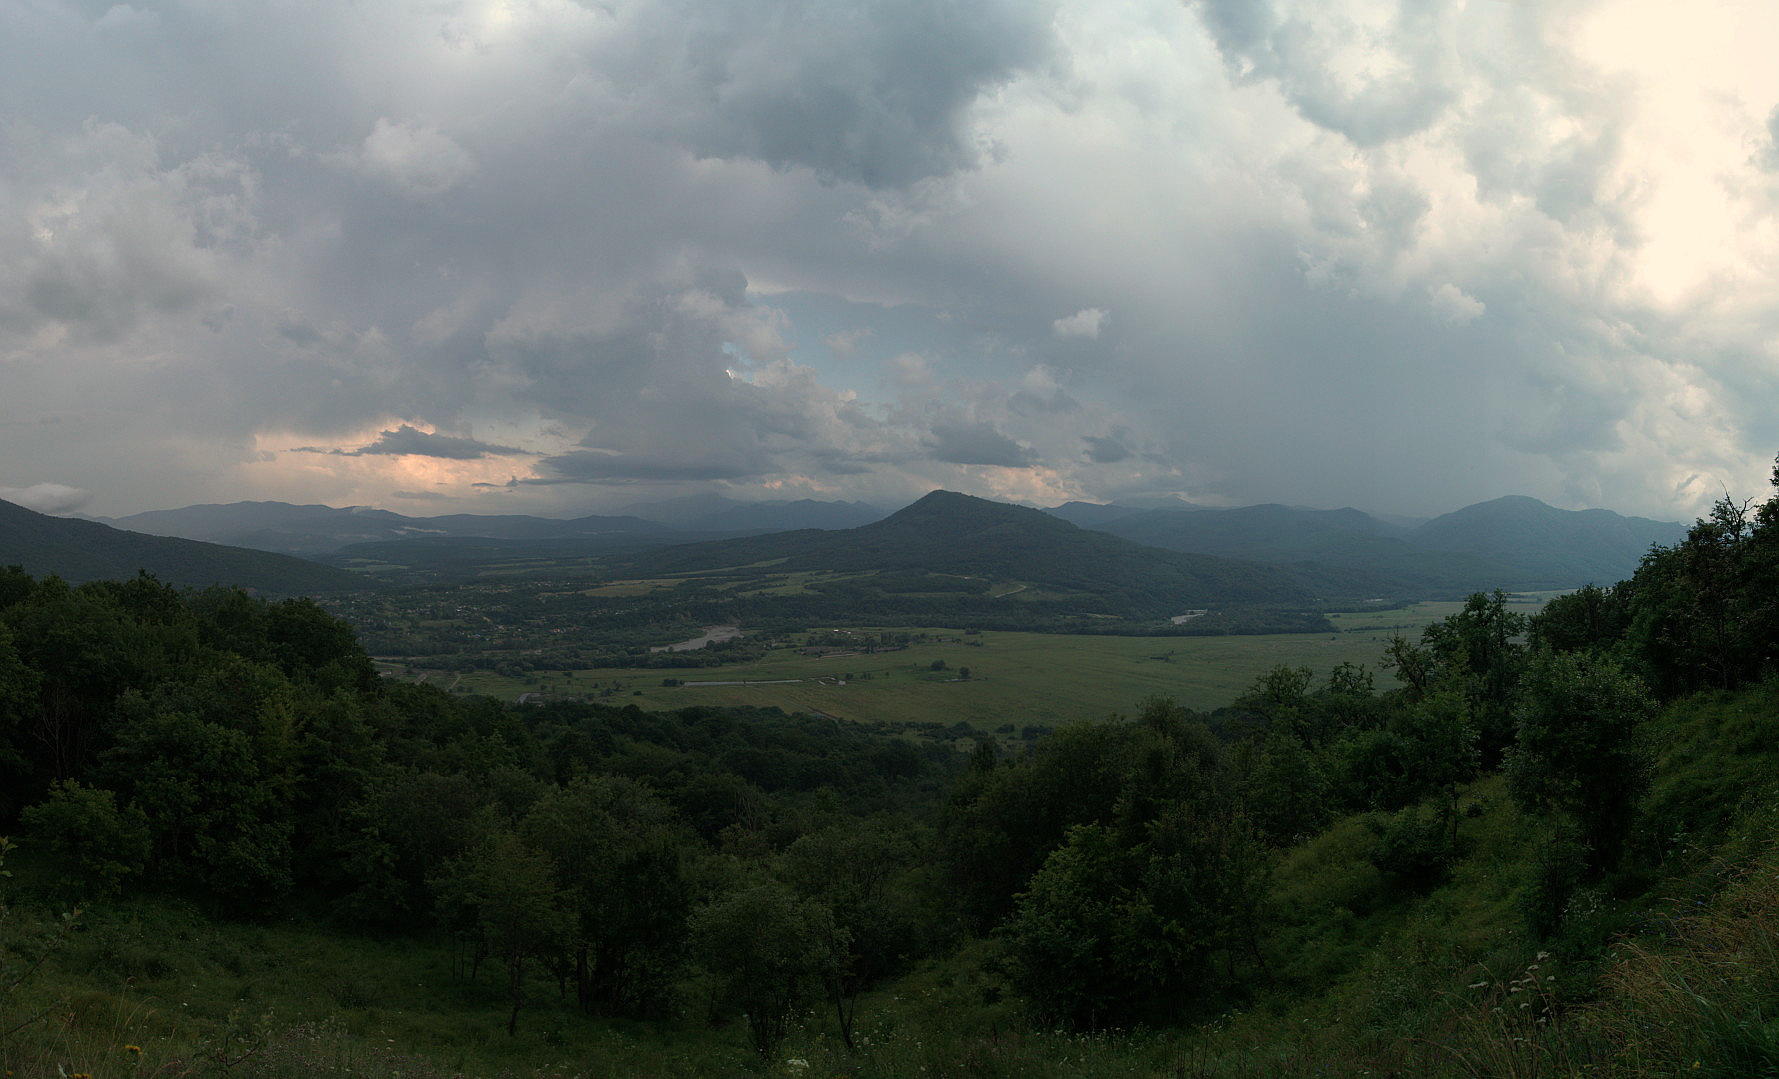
(767, 952)
(616, 853)
(1578, 752)
(507, 893)
(858, 871)
(1480, 651)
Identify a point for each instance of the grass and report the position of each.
(1041, 679)
(1019, 678)
(196, 998)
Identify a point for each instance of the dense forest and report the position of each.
(1545, 849)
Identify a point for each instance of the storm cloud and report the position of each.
(554, 258)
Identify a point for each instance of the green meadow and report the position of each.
(1040, 679)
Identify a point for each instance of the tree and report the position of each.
(1479, 652)
(94, 844)
(1111, 933)
(1590, 617)
(507, 893)
(1577, 753)
(1069, 933)
(767, 952)
(1693, 605)
(215, 819)
(1004, 821)
(856, 872)
(617, 860)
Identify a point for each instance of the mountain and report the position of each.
(715, 513)
(87, 550)
(786, 516)
(315, 530)
(1569, 547)
(1092, 515)
(1343, 538)
(946, 534)
(1512, 543)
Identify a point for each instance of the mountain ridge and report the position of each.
(79, 551)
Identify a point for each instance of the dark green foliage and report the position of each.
(616, 857)
(1117, 934)
(1558, 866)
(1699, 610)
(1080, 954)
(1588, 618)
(1578, 752)
(219, 817)
(1007, 820)
(504, 893)
(1413, 848)
(766, 953)
(866, 875)
(1427, 746)
(92, 843)
(1480, 652)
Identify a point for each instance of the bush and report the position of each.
(92, 844)
(1413, 849)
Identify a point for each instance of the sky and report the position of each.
(559, 258)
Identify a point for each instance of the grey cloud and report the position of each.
(50, 498)
(1105, 451)
(98, 233)
(977, 444)
(1083, 323)
(587, 466)
(1301, 55)
(409, 441)
(871, 92)
(226, 234)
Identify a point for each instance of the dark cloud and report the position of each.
(1398, 256)
(977, 444)
(408, 441)
(872, 92)
(587, 466)
(1105, 451)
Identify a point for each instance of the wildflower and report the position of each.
(133, 1049)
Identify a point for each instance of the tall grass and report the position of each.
(1699, 993)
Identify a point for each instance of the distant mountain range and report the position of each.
(957, 535)
(1513, 542)
(316, 530)
(1266, 554)
(80, 551)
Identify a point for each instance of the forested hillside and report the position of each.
(1548, 852)
(88, 551)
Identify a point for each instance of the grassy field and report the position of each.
(1015, 678)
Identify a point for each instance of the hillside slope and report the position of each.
(86, 550)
